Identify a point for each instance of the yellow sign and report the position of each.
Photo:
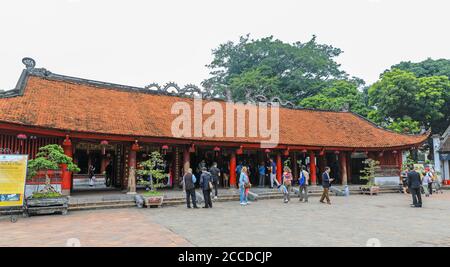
(13, 171)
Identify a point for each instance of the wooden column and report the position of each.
(233, 169)
(295, 166)
(343, 167)
(66, 176)
(132, 169)
(186, 160)
(279, 167)
(312, 168)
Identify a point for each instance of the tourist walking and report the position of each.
(273, 173)
(414, 185)
(244, 183)
(287, 183)
(262, 174)
(189, 180)
(425, 183)
(206, 185)
(303, 184)
(326, 183)
(215, 174)
(91, 174)
(430, 180)
(108, 174)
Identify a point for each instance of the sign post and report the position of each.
(13, 171)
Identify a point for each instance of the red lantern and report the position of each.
(286, 152)
(240, 151)
(336, 152)
(135, 146)
(165, 148)
(381, 154)
(322, 152)
(21, 137)
(216, 150)
(104, 143)
(395, 152)
(192, 149)
(267, 150)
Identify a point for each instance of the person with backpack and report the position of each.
(206, 185)
(215, 174)
(287, 183)
(189, 180)
(244, 183)
(303, 184)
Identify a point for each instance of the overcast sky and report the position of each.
(138, 42)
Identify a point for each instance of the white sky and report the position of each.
(138, 42)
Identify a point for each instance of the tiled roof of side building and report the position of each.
(73, 105)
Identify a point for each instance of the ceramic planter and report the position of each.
(37, 206)
(153, 201)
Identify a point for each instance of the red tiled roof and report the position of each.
(81, 107)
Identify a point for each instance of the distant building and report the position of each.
(441, 146)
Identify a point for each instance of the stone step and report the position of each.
(102, 206)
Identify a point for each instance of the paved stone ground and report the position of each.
(349, 221)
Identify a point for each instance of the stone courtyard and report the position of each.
(385, 220)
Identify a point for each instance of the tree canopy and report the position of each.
(274, 68)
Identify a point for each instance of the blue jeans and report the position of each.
(242, 196)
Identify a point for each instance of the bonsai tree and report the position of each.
(368, 173)
(150, 168)
(50, 157)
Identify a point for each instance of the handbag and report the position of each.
(210, 185)
(247, 185)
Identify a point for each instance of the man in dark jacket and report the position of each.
(205, 180)
(215, 174)
(189, 185)
(326, 180)
(414, 184)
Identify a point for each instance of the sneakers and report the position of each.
(243, 204)
(215, 197)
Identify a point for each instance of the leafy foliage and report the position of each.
(368, 173)
(270, 66)
(340, 95)
(150, 168)
(400, 95)
(50, 157)
(426, 68)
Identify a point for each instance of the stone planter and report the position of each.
(153, 201)
(38, 206)
(373, 190)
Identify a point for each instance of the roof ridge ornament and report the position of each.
(29, 63)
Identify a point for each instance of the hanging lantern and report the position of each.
(286, 152)
(21, 137)
(164, 149)
(322, 152)
(394, 152)
(381, 154)
(240, 151)
(336, 152)
(216, 150)
(104, 143)
(135, 146)
(192, 149)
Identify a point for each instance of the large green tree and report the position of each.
(338, 96)
(426, 68)
(401, 98)
(273, 68)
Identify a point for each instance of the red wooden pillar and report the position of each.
(279, 167)
(132, 169)
(343, 167)
(312, 167)
(295, 166)
(233, 169)
(66, 176)
(186, 160)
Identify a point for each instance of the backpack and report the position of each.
(302, 179)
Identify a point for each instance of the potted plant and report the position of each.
(149, 168)
(48, 200)
(368, 174)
